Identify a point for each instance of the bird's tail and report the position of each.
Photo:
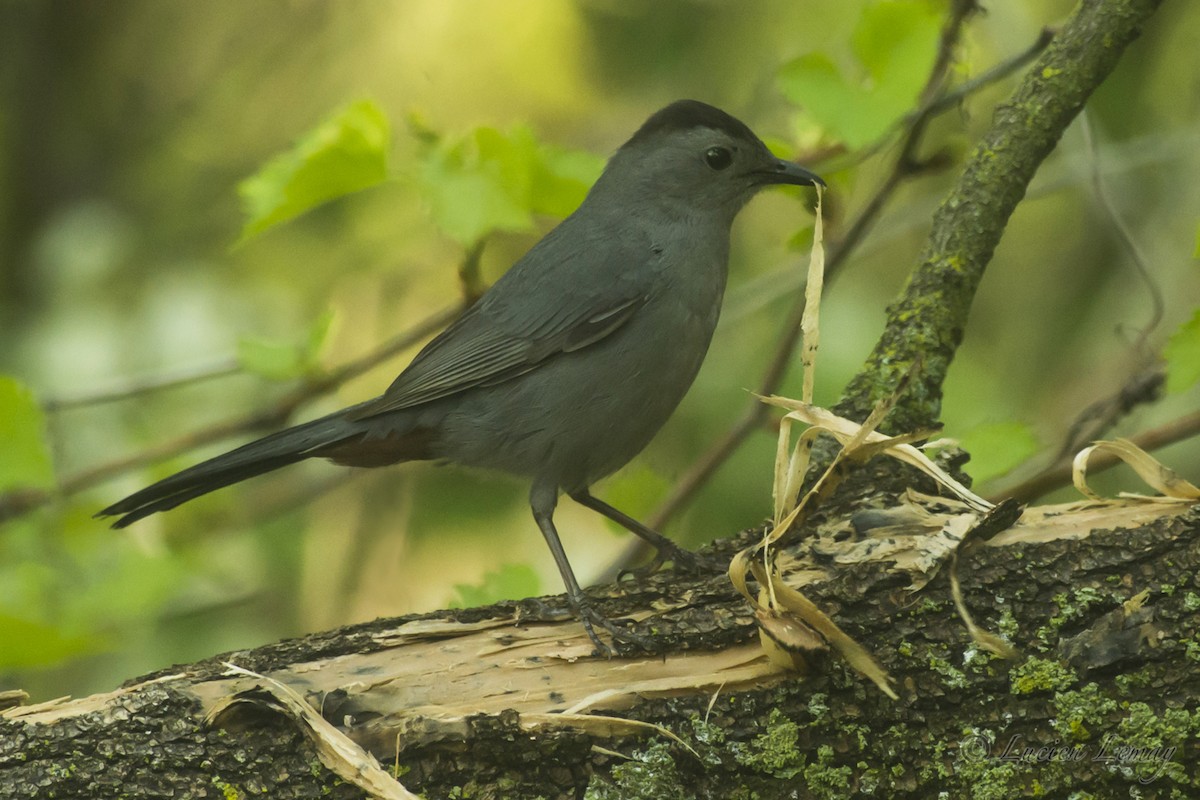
(263, 455)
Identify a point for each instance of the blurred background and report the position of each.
(127, 128)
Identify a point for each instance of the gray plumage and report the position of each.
(566, 368)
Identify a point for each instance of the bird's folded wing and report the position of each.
(480, 349)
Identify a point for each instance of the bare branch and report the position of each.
(929, 318)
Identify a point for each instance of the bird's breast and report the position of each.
(583, 414)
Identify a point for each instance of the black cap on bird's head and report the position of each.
(717, 141)
(684, 114)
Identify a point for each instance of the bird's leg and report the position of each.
(542, 500)
(665, 549)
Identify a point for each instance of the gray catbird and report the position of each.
(566, 368)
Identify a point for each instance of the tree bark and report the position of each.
(506, 702)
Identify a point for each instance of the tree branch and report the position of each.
(928, 320)
(506, 702)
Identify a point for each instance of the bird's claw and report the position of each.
(593, 619)
(684, 560)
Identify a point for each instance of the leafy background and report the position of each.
(166, 167)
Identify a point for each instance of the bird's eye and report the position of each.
(718, 157)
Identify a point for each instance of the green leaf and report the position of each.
(896, 41)
(1197, 253)
(844, 109)
(510, 582)
(490, 180)
(26, 458)
(562, 178)
(894, 44)
(318, 334)
(35, 644)
(1183, 355)
(998, 447)
(280, 361)
(466, 190)
(345, 154)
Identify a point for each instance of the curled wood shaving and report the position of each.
(812, 304)
(852, 435)
(985, 639)
(1157, 476)
(337, 752)
(790, 624)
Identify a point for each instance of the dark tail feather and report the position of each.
(263, 455)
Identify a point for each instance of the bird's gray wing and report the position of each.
(486, 346)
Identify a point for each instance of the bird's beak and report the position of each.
(790, 173)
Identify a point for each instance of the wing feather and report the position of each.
(480, 350)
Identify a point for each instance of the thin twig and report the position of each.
(960, 10)
(1143, 388)
(470, 280)
(997, 73)
(397, 344)
(234, 426)
(143, 386)
(1144, 384)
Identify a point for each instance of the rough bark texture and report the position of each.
(475, 707)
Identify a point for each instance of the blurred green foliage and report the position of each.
(26, 462)
(488, 180)
(281, 361)
(344, 154)
(507, 582)
(40, 644)
(128, 135)
(1183, 355)
(997, 448)
(892, 46)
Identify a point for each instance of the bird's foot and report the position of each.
(591, 619)
(684, 560)
(621, 635)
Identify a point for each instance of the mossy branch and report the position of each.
(928, 319)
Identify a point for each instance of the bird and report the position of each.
(568, 365)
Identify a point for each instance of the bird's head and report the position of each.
(700, 158)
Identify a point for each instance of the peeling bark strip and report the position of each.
(928, 320)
